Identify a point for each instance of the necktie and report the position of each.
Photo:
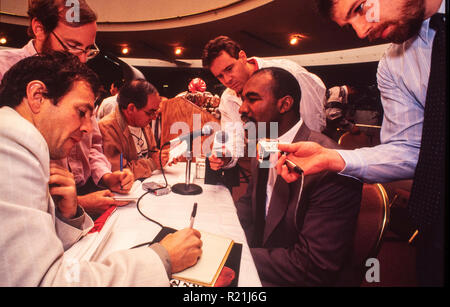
(156, 131)
(428, 191)
(260, 217)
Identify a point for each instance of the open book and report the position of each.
(206, 271)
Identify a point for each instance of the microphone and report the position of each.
(220, 142)
(187, 188)
(222, 137)
(206, 130)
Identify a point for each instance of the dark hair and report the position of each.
(50, 12)
(118, 83)
(325, 7)
(57, 70)
(283, 84)
(215, 46)
(135, 92)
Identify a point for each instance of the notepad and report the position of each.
(215, 251)
(133, 195)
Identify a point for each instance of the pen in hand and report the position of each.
(194, 212)
(121, 167)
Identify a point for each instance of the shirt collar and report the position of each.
(29, 48)
(424, 32)
(289, 136)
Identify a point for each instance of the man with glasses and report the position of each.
(53, 30)
(126, 131)
(90, 52)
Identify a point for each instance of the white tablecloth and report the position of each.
(216, 214)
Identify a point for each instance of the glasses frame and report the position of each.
(78, 51)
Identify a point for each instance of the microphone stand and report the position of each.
(187, 188)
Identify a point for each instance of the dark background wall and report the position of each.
(172, 81)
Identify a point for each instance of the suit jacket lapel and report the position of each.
(283, 193)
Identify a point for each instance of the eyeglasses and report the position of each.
(91, 52)
(152, 113)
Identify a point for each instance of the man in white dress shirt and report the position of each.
(229, 64)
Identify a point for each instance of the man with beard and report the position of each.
(411, 75)
(54, 28)
(299, 234)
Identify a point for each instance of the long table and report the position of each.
(216, 213)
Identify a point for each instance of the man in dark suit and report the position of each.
(300, 233)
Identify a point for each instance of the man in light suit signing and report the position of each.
(300, 234)
(46, 104)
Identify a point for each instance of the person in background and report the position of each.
(46, 104)
(51, 30)
(412, 81)
(109, 104)
(127, 132)
(228, 62)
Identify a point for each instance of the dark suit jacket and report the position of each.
(303, 242)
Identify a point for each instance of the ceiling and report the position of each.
(262, 31)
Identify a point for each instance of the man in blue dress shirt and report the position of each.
(403, 80)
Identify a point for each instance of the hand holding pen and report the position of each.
(194, 213)
(120, 181)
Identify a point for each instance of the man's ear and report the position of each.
(242, 56)
(285, 104)
(35, 95)
(38, 30)
(131, 107)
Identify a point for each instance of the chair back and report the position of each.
(371, 226)
(372, 222)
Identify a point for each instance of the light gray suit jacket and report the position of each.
(33, 239)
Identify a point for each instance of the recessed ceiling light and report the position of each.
(125, 50)
(178, 50)
(295, 39)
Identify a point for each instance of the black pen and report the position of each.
(194, 212)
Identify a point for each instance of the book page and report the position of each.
(215, 252)
(135, 192)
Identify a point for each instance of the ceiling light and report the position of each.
(178, 51)
(125, 50)
(3, 40)
(295, 39)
